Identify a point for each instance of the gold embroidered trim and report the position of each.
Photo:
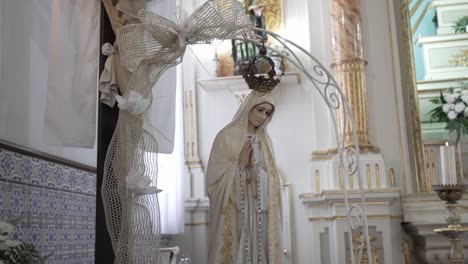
(226, 255)
(274, 218)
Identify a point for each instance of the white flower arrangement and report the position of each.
(452, 109)
(13, 251)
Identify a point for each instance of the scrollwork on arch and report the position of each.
(327, 87)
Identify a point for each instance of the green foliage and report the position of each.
(25, 253)
(460, 25)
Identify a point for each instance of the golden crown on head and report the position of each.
(259, 82)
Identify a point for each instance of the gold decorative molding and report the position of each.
(319, 219)
(377, 175)
(367, 203)
(369, 179)
(430, 166)
(420, 18)
(415, 7)
(423, 202)
(411, 102)
(351, 178)
(441, 248)
(344, 204)
(447, 40)
(427, 170)
(461, 59)
(399, 123)
(343, 217)
(319, 206)
(352, 61)
(194, 161)
(392, 178)
(196, 224)
(351, 77)
(273, 14)
(317, 181)
(340, 176)
(433, 166)
(321, 155)
(194, 164)
(407, 255)
(325, 152)
(435, 142)
(441, 81)
(360, 244)
(431, 91)
(336, 192)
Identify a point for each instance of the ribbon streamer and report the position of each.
(148, 49)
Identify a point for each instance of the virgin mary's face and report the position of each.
(259, 114)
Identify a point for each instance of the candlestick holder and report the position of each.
(451, 193)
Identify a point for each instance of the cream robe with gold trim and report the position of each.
(222, 175)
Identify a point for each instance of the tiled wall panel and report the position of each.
(56, 205)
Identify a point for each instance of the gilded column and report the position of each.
(349, 67)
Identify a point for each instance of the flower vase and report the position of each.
(454, 140)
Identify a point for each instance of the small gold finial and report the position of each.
(317, 181)
(392, 178)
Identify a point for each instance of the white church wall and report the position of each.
(23, 83)
(194, 240)
(320, 41)
(320, 129)
(293, 140)
(405, 178)
(386, 113)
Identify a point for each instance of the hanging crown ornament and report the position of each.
(259, 82)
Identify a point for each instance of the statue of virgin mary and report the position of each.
(244, 188)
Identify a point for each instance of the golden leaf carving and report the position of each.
(273, 14)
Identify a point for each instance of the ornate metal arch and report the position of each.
(337, 103)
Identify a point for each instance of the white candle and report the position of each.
(448, 165)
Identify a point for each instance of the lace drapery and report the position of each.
(148, 48)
